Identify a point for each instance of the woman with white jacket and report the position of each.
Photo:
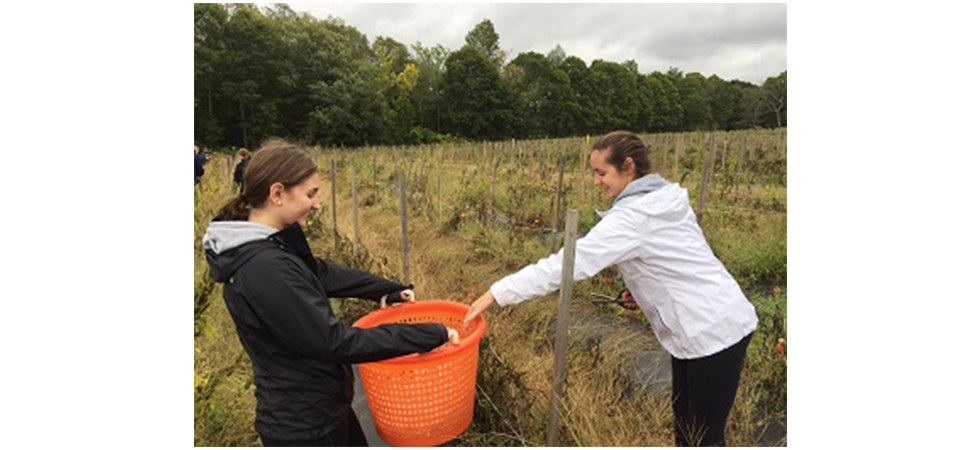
(696, 309)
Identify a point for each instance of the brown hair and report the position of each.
(623, 144)
(277, 161)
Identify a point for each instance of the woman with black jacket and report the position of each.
(278, 294)
(239, 175)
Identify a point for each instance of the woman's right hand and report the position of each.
(481, 304)
(453, 336)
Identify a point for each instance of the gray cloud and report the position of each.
(733, 41)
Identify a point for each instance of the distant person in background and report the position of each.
(198, 163)
(240, 169)
(696, 309)
(278, 293)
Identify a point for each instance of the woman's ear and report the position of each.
(276, 193)
(629, 166)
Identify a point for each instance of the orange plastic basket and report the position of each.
(424, 399)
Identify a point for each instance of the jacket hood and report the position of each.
(224, 244)
(223, 236)
(639, 188)
(644, 185)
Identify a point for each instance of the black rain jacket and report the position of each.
(240, 174)
(277, 293)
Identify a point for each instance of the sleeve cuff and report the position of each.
(502, 295)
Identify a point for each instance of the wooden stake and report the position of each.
(707, 163)
(530, 166)
(584, 175)
(394, 159)
(561, 337)
(422, 171)
(439, 184)
(404, 212)
(724, 156)
(738, 168)
(784, 143)
(678, 143)
(353, 190)
(493, 182)
(333, 190)
(558, 191)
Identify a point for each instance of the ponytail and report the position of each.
(234, 209)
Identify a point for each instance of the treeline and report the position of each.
(274, 72)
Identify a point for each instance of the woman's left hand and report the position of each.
(407, 295)
(481, 304)
(626, 300)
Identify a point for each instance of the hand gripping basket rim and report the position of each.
(374, 319)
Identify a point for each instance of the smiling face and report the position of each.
(607, 176)
(294, 204)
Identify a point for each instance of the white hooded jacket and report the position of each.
(693, 304)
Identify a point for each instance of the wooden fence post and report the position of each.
(353, 190)
(561, 337)
(584, 175)
(229, 168)
(678, 144)
(401, 188)
(422, 171)
(707, 163)
(724, 156)
(588, 149)
(439, 182)
(783, 140)
(741, 153)
(394, 160)
(493, 181)
(558, 192)
(333, 190)
(530, 166)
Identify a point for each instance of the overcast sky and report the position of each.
(745, 42)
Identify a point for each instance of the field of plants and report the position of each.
(479, 211)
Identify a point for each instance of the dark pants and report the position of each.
(347, 434)
(704, 391)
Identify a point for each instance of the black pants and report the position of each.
(704, 391)
(348, 434)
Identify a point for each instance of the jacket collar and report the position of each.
(294, 240)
